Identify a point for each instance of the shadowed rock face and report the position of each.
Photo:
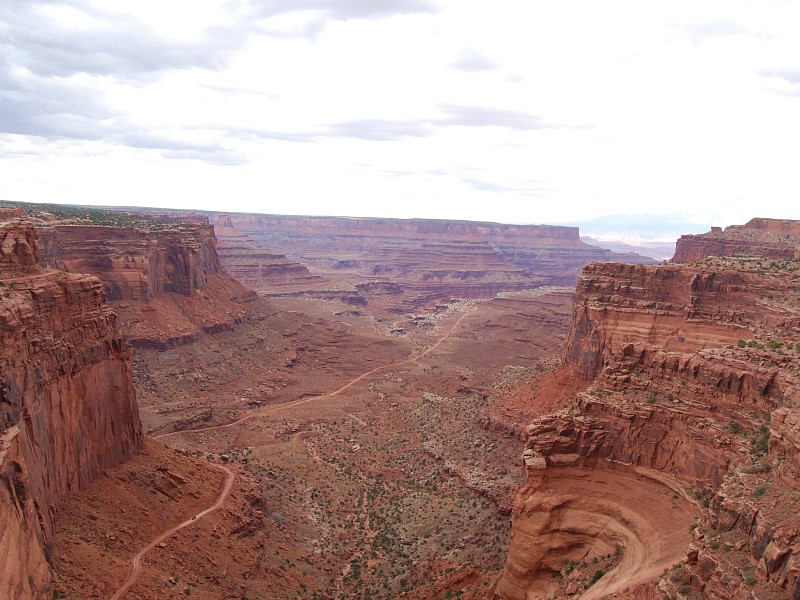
(67, 406)
(166, 285)
(695, 387)
(427, 261)
(135, 264)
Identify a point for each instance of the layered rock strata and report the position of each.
(165, 283)
(135, 264)
(67, 406)
(430, 261)
(767, 238)
(265, 271)
(695, 388)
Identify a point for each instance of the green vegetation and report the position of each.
(704, 496)
(6, 289)
(759, 442)
(84, 215)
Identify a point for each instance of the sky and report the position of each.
(518, 111)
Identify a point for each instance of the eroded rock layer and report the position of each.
(695, 387)
(67, 406)
(768, 238)
(423, 261)
(165, 283)
(135, 264)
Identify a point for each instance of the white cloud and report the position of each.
(472, 61)
(515, 111)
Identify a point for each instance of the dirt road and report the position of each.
(136, 562)
(280, 407)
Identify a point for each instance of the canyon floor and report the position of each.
(373, 455)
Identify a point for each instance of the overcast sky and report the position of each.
(510, 110)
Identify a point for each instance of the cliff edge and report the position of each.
(67, 405)
(165, 283)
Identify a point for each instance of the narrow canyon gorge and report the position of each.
(263, 407)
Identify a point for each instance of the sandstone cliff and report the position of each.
(695, 374)
(67, 406)
(134, 264)
(265, 271)
(165, 283)
(767, 238)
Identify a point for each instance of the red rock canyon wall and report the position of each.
(67, 406)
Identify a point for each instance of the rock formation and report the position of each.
(768, 238)
(426, 261)
(132, 263)
(695, 373)
(165, 283)
(265, 271)
(67, 406)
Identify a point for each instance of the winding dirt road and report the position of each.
(292, 404)
(136, 562)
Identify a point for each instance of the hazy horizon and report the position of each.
(514, 113)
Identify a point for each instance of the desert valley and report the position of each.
(245, 406)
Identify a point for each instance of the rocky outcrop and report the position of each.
(8, 213)
(67, 406)
(676, 308)
(135, 264)
(767, 238)
(695, 386)
(17, 249)
(166, 283)
(431, 261)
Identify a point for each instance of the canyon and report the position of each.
(373, 403)
(691, 400)
(400, 265)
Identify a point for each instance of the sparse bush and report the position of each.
(596, 577)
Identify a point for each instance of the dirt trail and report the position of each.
(292, 404)
(580, 514)
(136, 562)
